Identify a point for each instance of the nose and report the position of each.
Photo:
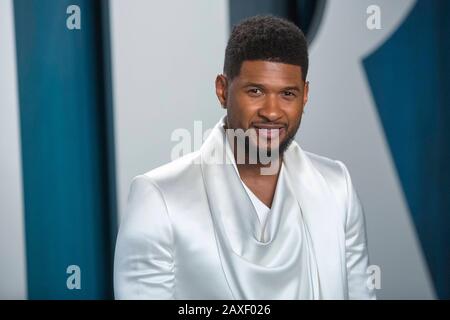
(270, 109)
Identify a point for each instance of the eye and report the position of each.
(254, 92)
(289, 94)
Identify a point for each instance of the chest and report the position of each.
(262, 187)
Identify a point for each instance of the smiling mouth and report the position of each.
(270, 131)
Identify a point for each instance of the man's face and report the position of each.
(267, 97)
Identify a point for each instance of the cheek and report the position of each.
(243, 108)
(294, 114)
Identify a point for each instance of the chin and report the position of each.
(264, 152)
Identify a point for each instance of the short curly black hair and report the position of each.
(268, 38)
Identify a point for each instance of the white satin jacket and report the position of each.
(190, 231)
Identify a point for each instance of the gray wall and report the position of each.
(166, 55)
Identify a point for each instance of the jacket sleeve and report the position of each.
(356, 251)
(143, 260)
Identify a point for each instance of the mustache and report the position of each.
(269, 125)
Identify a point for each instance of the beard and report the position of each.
(283, 146)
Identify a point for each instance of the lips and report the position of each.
(269, 130)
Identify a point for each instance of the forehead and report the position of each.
(269, 72)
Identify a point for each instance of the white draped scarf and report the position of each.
(290, 259)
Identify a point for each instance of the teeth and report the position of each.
(269, 132)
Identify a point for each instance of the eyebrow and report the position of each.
(292, 88)
(254, 84)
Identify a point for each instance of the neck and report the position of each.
(259, 181)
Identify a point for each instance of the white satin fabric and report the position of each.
(192, 232)
(261, 209)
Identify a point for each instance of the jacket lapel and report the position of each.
(320, 212)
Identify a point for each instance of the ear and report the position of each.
(305, 93)
(221, 89)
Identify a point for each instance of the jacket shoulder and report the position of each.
(329, 168)
(177, 175)
(336, 175)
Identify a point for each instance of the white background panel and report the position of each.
(166, 55)
(12, 240)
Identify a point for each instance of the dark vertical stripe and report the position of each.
(409, 78)
(294, 14)
(243, 9)
(65, 118)
(304, 13)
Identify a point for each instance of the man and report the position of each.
(290, 228)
